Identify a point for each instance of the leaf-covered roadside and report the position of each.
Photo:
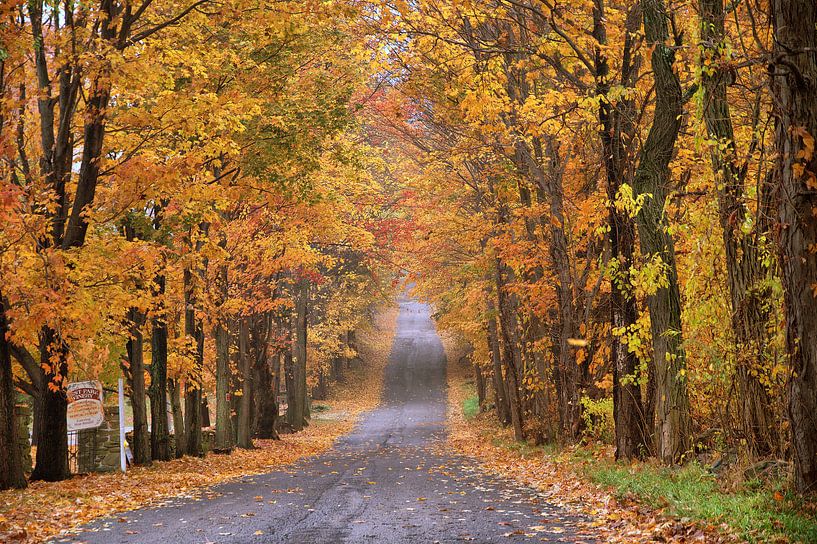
(46, 510)
(625, 503)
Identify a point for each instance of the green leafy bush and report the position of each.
(598, 419)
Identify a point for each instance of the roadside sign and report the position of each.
(85, 405)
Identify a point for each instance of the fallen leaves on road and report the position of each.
(44, 509)
(611, 520)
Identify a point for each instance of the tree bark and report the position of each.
(297, 393)
(205, 412)
(136, 382)
(479, 380)
(672, 419)
(503, 409)
(321, 389)
(52, 442)
(11, 466)
(179, 434)
(224, 434)
(266, 392)
(194, 330)
(159, 435)
(512, 358)
(547, 180)
(794, 85)
(244, 432)
(569, 384)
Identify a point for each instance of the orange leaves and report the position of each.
(805, 164)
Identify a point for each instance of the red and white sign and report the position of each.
(85, 405)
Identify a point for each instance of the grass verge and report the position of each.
(691, 492)
(470, 407)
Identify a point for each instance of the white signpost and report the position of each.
(123, 462)
(85, 405)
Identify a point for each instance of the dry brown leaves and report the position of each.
(612, 520)
(48, 509)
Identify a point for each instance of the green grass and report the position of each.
(470, 407)
(691, 492)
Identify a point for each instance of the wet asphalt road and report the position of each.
(386, 482)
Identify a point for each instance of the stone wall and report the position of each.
(104, 455)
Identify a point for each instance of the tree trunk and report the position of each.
(794, 86)
(321, 389)
(297, 410)
(340, 362)
(66, 231)
(37, 419)
(159, 436)
(52, 442)
(205, 412)
(548, 183)
(744, 262)
(179, 434)
(194, 331)
(11, 466)
(224, 434)
(136, 381)
(289, 381)
(512, 358)
(266, 398)
(672, 419)
(569, 384)
(479, 380)
(503, 409)
(244, 432)
(632, 434)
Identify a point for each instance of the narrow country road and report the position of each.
(386, 482)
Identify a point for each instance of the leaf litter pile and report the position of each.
(607, 518)
(46, 510)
